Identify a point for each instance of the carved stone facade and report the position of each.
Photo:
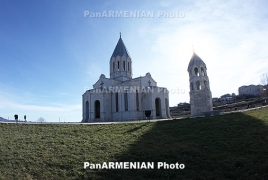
(200, 94)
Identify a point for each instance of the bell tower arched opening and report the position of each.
(198, 86)
(196, 71)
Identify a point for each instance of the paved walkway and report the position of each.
(95, 123)
(244, 110)
(137, 121)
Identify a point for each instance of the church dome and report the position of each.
(120, 49)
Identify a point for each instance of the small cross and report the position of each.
(120, 34)
(149, 83)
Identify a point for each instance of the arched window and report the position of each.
(117, 65)
(116, 102)
(202, 71)
(113, 67)
(206, 84)
(126, 101)
(198, 87)
(196, 72)
(97, 109)
(124, 65)
(192, 86)
(87, 111)
(137, 100)
(157, 107)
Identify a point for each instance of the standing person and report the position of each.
(25, 118)
(16, 117)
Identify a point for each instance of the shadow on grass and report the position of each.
(233, 146)
(135, 129)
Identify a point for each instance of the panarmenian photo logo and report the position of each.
(133, 165)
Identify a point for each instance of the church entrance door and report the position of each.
(97, 109)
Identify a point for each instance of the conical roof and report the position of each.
(120, 49)
(195, 60)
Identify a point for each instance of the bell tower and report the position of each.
(120, 62)
(200, 94)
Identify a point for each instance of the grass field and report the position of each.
(233, 146)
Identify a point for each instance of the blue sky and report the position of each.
(50, 53)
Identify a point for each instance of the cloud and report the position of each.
(11, 103)
(94, 70)
(230, 37)
(17, 106)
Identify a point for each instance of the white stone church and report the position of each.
(121, 97)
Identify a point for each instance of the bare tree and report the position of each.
(41, 120)
(264, 79)
(264, 82)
